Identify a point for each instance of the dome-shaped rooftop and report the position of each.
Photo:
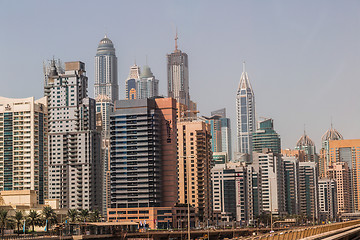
(105, 47)
(331, 134)
(146, 72)
(304, 141)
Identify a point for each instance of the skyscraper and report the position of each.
(324, 159)
(74, 144)
(307, 145)
(225, 131)
(308, 189)
(266, 137)
(131, 82)
(178, 76)
(245, 114)
(147, 85)
(104, 107)
(194, 166)
(106, 82)
(348, 151)
(23, 145)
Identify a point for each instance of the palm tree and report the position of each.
(3, 220)
(83, 215)
(19, 216)
(72, 215)
(33, 219)
(95, 216)
(49, 215)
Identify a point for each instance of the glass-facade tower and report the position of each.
(245, 114)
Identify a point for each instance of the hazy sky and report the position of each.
(302, 57)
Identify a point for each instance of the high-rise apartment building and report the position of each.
(272, 180)
(220, 132)
(245, 114)
(307, 145)
(194, 166)
(23, 145)
(131, 82)
(327, 200)
(178, 76)
(308, 190)
(341, 173)
(324, 159)
(236, 192)
(143, 153)
(106, 80)
(75, 170)
(266, 137)
(104, 107)
(291, 181)
(348, 151)
(144, 180)
(215, 129)
(147, 85)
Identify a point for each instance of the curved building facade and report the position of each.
(106, 80)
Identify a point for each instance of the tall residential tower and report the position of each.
(245, 114)
(178, 76)
(106, 82)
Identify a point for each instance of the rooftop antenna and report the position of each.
(304, 129)
(146, 60)
(176, 38)
(244, 66)
(331, 122)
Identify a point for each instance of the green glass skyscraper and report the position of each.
(266, 137)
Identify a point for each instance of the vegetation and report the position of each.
(19, 217)
(49, 216)
(34, 219)
(72, 215)
(3, 219)
(83, 215)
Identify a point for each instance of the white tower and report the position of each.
(106, 82)
(245, 114)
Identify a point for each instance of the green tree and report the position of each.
(19, 216)
(34, 219)
(49, 215)
(95, 216)
(3, 220)
(83, 215)
(72, 215)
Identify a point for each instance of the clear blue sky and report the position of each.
(302, 56)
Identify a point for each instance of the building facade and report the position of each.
(266, 137)
(106, 76)
(324, 158)
(23, 146)
(178, 76)
(75, 169)
(308, 190)
(327, 200)
(307, 145)
(348, 151)
(147, 86)
(291, 180)
(104, 107)
(341, 173)
(272, 180)
(245, 114)
(131, 82)
(143, 154)
(194, 166)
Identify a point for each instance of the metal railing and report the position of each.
(305, 232)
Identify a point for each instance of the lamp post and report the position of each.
(188, 190)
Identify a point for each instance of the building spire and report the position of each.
(331, 123)
(244, 69)
(176, 38)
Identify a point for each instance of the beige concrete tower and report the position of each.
(194, 166)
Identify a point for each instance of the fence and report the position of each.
(305, 232)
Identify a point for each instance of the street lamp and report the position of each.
(188, 189)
